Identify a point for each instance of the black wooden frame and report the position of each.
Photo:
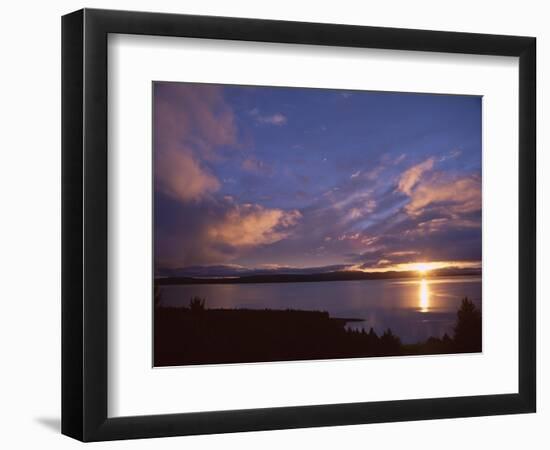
(84, 224)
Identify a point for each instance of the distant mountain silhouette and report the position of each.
(231, 270)
(339, 275)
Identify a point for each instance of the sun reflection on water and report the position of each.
(424, 296)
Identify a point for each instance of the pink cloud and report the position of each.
(412, 176)
(180, 176)
(191, 123)
(457, 196)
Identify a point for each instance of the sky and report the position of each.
(268, 178)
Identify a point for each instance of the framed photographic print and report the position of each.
(273, 224)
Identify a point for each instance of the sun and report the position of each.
(422, 268)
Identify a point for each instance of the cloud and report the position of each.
(215, 205)
(433, 225)
(403, 253)
(355, 213)
(273, 119)
(411, 176)
(453, 154)
(399, 159)
(450, 195)
(361, 210)
(455, 196)
(191, 122)
(252, 225)
(216, 230)
(440, 207)
(359, 198)
(179, 175)
(374, 173)
(404, 238)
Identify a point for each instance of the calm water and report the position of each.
(414, 309)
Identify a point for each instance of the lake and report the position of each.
(414, 309)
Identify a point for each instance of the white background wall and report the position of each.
(30, 222)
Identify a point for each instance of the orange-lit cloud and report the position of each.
(252, 225)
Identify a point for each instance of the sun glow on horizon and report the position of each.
(423, 268)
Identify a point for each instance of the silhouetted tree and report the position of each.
(467, 332)
(372, 334)
(197, 304)
(390, 343)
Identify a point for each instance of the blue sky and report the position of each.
(265, 177)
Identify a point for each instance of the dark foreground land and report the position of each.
(197, 335)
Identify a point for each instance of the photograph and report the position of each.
(266, 225)
(296, 223)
